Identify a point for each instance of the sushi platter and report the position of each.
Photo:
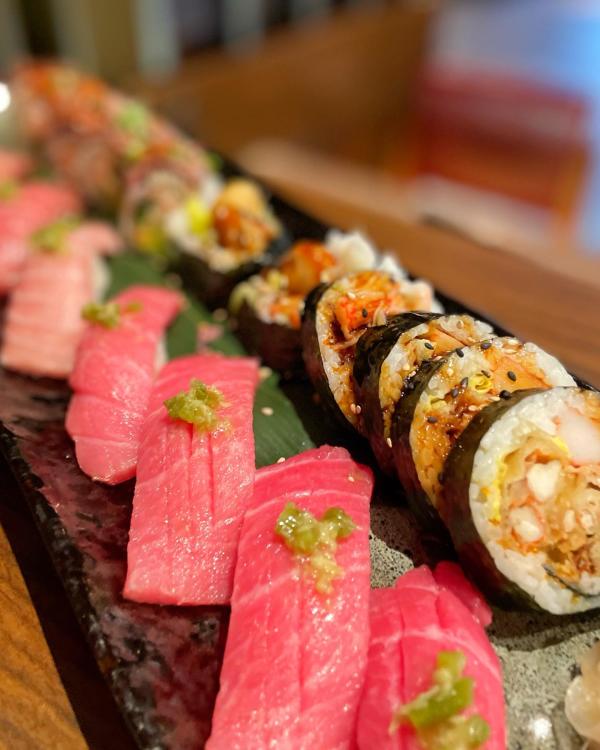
(296, 497)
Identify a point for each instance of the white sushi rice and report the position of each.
(534, 414)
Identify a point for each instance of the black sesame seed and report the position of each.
(511, 375)
(365, 314)
(460, 352)
(504, 394)
(486, 345)
(432, 420)
(454, 392)
(428, 345)
(410, 386)
(464, 382)
(486, 373)
(441, 478)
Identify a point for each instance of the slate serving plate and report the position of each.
(162, 663)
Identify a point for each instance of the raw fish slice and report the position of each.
(295, 659)
(14, 165)
(43, 320)
(192, 488)
(112, 380)
(450, 576)
(34, 205)
(410, 624)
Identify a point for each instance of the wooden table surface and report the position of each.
(51, 695)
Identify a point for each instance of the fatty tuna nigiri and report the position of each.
(43, 319)
(114, 370)
(433, 679)
(29, 208)
(298, 637)
(195, 477)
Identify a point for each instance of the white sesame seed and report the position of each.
(264, 372)
(358, 408)
(281, 460)
(350, 478)
(353, 408)
(267, 411)
(472, 407)
(388, 440)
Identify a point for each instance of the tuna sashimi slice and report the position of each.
(14, 165)
(295, 659)
(410, 624)
(43, 320)
(192, 487)
(34, 205)
(112, 379)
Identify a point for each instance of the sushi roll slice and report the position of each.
(388, 356)
(443, 397)
(335, 318)
(268, 306)
(522, 499)
(224, 238)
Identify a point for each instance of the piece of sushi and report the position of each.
(433, 679)
(268, 306)
(443, 397)
(337, 315)
(224, 235)
(25, 210)
(62, 273)
(388, 356)
(296, 648)
(14, 167)
(115, 367)
(195, 478)
(521, 498)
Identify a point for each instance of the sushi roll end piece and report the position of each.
(337, 315)
(522, 499)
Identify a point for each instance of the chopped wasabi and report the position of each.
(436, 714)
(315, 541)
(108, 314)
(52, 237)
(198, 215)
(198, 406)
(8, 189)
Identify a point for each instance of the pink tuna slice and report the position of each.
(43, 320)
(295, 659)
(449, 575)
(112, 379)
(410, 624)
(34, 205)
(14, 165)
(192, 487)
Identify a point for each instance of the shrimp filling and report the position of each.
(549, 500)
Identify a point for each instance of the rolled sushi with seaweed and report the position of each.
(223, 238)
(443, 397)
(337, 315)
(522, 499)
(388, 356)
(268, 306)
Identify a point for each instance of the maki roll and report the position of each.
(443, 397)
(388, 356)
(269, 306)
(154, 187)
(337, 315)
(224, 238)
(522, 499)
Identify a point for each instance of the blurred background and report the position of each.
(480, 116)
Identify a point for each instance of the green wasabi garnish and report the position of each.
(198, 406)
(108, 314)
(52, 237)
(315, 541)
(8, 189)
(436, 714)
